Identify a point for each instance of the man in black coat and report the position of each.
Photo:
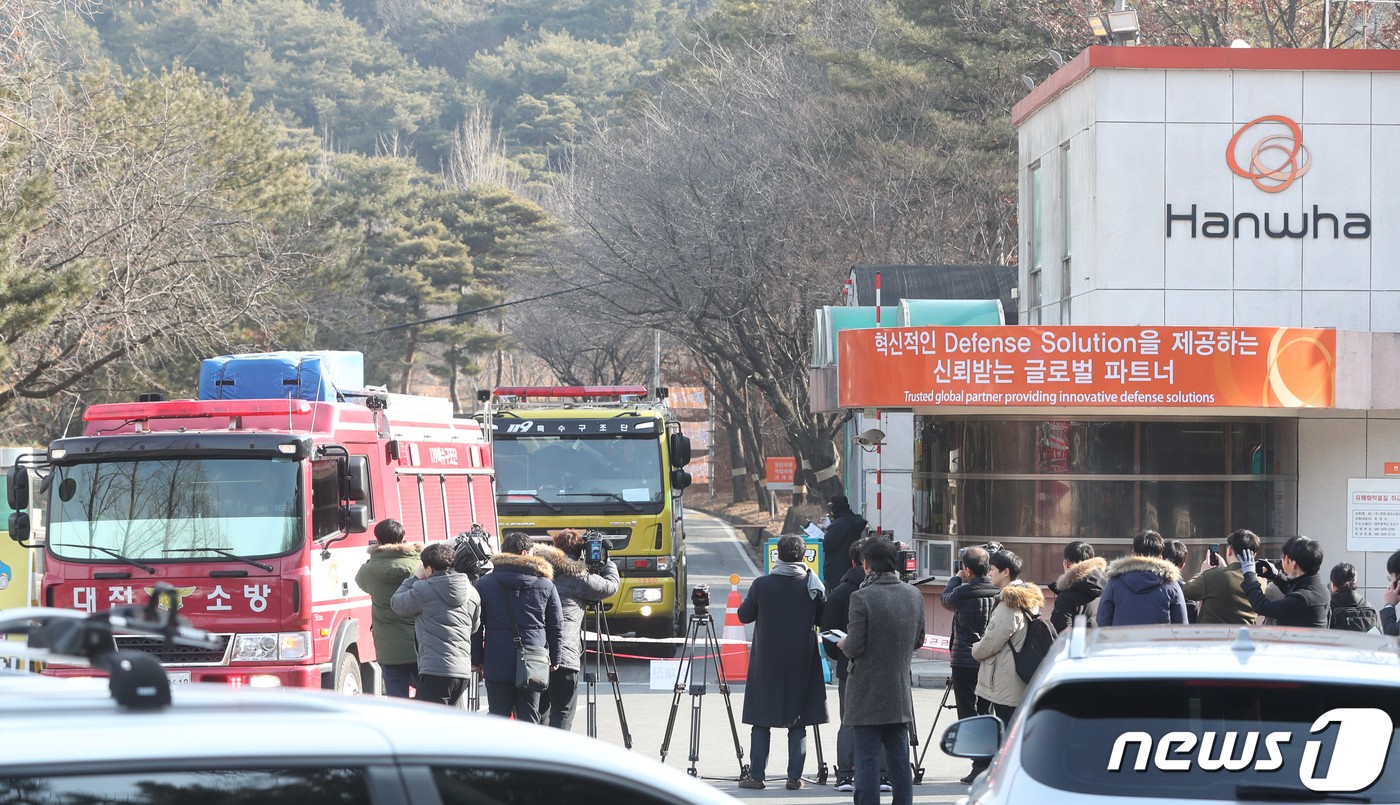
(1308, 599)
(784, 687)
(1077, 591)
(525, 583)
(1389, 623)
(971, 597)
(846, 527)
(836, 615)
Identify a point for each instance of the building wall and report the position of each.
(1140, 139)
(1334, 450)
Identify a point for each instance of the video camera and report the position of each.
(700, 600)
(595, 550)
(907, 563)
(472, 553)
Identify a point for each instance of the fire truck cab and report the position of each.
(608, 459)
(257, 511)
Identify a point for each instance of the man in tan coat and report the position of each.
(999, 687)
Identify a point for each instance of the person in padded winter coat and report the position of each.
(445, 612)
(846, 527)
(1077, 591)
(1350, 611)
(971, 597)
(999, 688)
(577, 585)
(784, 687)
(525, 584)
(837, 615)
(390, 562)
(1142, 588)
(1307, 599)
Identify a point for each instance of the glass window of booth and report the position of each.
(1034, 485)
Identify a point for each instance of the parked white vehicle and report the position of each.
(72, 740)
(1176, 714)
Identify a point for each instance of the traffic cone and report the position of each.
(734, 657)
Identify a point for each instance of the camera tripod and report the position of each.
(700, 637)
(604, 661)
(914, 736)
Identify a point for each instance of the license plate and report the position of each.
(178, 677)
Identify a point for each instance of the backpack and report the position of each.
(1355, 619)
(1039, 638)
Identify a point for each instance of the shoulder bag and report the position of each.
(531, 662)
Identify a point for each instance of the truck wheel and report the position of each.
(347, 676)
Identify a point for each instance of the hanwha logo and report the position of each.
(1277, 159)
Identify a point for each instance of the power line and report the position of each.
(463, 313)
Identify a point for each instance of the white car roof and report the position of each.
(67, 720)
(1225, 652)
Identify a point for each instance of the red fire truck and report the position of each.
(257, 512)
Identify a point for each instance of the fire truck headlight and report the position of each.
(254, 647)
(663, 563)
(646, 595)
(271, 646)
(294, 646)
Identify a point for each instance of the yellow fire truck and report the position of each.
(608, 459)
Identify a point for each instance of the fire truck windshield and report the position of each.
(174, 510)
(580, 471)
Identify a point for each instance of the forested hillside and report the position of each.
(183, 177)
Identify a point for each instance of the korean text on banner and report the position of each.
(686, 396)
(1192, 367)
(779, 471)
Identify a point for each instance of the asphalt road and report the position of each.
(714, 551)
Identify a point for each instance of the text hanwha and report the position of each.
(1277, 159)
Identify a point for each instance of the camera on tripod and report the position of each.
(472, 553)
(907, 563)
(595, 550)
(700, 599)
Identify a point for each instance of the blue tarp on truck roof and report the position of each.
(319, 376)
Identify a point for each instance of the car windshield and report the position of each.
(562, 470)
(1216, 739)
(173, 510)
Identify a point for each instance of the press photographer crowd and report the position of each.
(517, 619)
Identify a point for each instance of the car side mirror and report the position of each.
(356, 478)
(977, 738)
(19, 527)
(680, 450)
(680, 479)
(17, 487)
(355, 519)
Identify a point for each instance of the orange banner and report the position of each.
(1016, 367)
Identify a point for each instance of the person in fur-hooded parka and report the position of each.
(1077, 591)
(997, 680)
(1143, 588)
(526, 583)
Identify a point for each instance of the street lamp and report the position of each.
(1117, 27)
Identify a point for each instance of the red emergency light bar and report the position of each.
(555, 392)
(189, 409)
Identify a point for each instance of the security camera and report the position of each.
(871, 438)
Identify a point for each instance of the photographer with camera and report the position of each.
(1307, 600)
(580, 580)
(1219, 587)
(784, 687)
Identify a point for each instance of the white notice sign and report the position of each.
(663, 674)
(1373, 514)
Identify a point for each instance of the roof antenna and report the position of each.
(1243, 643)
